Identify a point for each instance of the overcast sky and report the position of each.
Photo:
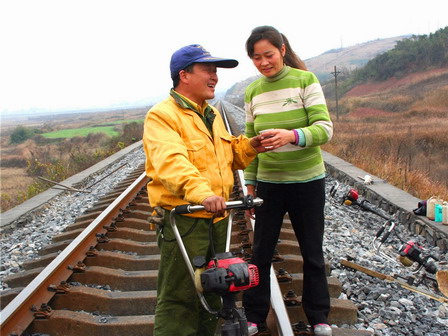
(93, 53)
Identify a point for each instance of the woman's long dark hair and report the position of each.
(277, 39)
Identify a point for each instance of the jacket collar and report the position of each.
(205, 111)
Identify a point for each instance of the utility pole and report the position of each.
(335, 74)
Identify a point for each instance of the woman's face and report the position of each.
(267, 58)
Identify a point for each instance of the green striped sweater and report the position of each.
(292, 99)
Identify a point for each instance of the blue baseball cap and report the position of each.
(195, 53)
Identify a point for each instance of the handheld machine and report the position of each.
(225, 274)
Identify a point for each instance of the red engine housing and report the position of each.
(235, 272)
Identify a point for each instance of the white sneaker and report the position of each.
(252, 328)
(322, 329)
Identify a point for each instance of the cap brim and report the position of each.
(220, 62)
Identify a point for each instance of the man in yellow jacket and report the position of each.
(191, 158)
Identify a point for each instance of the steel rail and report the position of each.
(18, 314)
(227, 125)
(277, 302)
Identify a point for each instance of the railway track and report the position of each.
(99, 276)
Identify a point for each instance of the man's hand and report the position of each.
(271, 139)
(156, 217)
(261, 143)
(215, 204)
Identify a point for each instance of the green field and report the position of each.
(107, 128)
(70, 133)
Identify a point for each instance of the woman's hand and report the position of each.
(278, 137)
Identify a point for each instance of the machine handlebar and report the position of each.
(248, 202)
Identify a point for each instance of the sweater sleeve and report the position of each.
(250, 173)
(320, 129)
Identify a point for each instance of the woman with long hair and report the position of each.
(287, 104)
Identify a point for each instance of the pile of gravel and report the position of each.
(384, 307)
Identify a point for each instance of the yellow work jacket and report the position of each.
(185, 162)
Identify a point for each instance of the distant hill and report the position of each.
(345, 59)
(412, 75)
(349, 58)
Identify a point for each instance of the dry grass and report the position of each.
(400, 140)
(13, 179)
(14, 182)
